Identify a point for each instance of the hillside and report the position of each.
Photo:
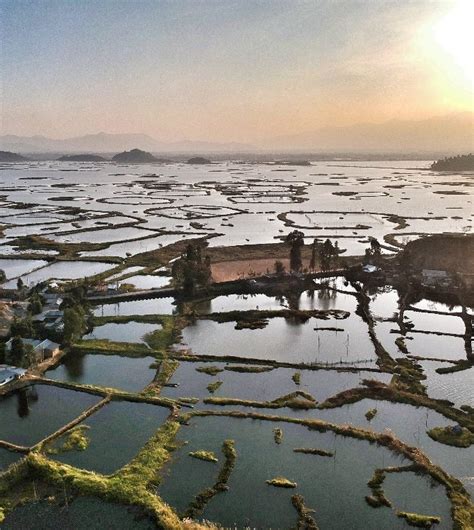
(450, 252)
(8, 156)
(135, 156)
(82, 158)
(199, 160)
(452, 133)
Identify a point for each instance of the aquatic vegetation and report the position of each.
(75, 439)
(209, 370)
(370, 414)
(378, 497)
(455, 436)
(128, 486)
(199, 502)
(278, 435)
(462, 509)
(208, 456)
(294, 400)
(249, 369)
(420, 521)
(400, 342)
(212, 387)
(311, 451)
(296, 378)
(305, 520)
(281, 482)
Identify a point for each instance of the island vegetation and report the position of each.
(454, 163)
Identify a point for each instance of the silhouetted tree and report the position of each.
(191, 270)
(327, 253)
(279, 267)
(314, 250)
(296, 240)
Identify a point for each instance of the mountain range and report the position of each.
(111, 143)
(453, 133)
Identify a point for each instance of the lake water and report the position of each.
(124, 332)
(31, 414)
(117, 432)
(321, 480)
(237, 204)
(130, 374)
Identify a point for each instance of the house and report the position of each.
(10, 373)
(42, 349)
(50, 315)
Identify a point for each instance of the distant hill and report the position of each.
(82, 158)
(455, 163)
(451, 134)
(8, 156)
(135, 156)
(199, 160)
(90, 143)
(112, 143)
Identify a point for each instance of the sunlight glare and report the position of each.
(454, 34)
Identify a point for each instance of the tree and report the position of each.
(373, 253)
(20, 284)
(191, 270)
(279, 268)
(314, 248)
(22, 328)
(3, 276)
(327, 252)
(35, 305)
(74, 323)
(17, 351)
(296, 240)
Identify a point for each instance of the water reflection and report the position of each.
(25, 397)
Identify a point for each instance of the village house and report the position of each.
(42, 349)
(10, 373)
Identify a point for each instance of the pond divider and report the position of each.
(71, 424)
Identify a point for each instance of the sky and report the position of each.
(224, 70)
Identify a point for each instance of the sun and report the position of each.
(455, 36)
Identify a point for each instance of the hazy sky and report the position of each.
(227, 70)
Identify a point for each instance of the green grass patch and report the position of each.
(281, 482)
(278, 435)
(370, 414)
(296, 378)
(447, 436)
(207, 456)
(305, 520)
(75, 439)
(209, 370)
(212, 387)
(419, 521)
